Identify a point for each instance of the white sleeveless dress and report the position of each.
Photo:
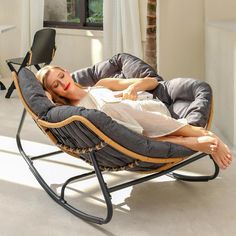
(146, 115)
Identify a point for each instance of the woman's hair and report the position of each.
(43, 73)
(42, 76)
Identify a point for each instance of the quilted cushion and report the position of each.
(122, 65)
(185, 98)
(34, 93)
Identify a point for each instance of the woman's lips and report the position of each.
(67, 86)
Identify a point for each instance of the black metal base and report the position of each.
(10, 90)
(60, 198)
(106, 191)
(198, 178)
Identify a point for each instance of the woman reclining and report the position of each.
(126, 102)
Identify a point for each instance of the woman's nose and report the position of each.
(63, 84)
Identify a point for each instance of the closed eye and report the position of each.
(61, 75)
(55, 85)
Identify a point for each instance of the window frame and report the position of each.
(83, 10)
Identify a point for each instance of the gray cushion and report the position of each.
(34, 93)
(185, 98)
(122, 65)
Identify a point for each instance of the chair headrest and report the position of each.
(33, 93)
(43, 47)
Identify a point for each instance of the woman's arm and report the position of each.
(129, 87)
(139, 84)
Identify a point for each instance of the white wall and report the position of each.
(10, 41)
(220, 74)
(78, 48)
(181, 38)
(221, 64)
(181, 41)
(216, 10)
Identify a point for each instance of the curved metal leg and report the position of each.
(104, 189)
(60, 199)
(19, 144)
(198, 178)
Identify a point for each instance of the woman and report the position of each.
(125, 105)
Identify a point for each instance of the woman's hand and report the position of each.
(129, 93)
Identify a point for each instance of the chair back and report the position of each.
(43, 47)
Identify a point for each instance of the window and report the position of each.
(79, 14)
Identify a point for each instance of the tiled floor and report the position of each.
(158, 207)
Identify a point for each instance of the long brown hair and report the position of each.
(42, 76)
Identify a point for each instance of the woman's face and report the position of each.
(60, 82)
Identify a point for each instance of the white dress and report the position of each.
(146, 115)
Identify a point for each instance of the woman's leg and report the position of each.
(191, 131)
(199, 139)
(205, 144)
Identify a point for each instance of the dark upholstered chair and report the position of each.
(42, 51)
(40, 54)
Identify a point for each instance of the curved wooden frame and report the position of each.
(170, 164)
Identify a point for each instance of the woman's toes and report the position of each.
(221, 161)
(229, 156)
(225, 163)
(222, 166)
(229, 161)
(217, 161)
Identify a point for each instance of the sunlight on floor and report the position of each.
(56, 169)
(13, 168)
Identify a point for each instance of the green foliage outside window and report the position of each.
(81, 14)
(95, 11)
(72, 11)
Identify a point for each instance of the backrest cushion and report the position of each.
(122, 65)
(34, 93)
(186, 98)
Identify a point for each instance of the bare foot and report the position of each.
(209, 144)
(222, 156)
(214, 146)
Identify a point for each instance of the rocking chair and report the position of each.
(95, 138)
